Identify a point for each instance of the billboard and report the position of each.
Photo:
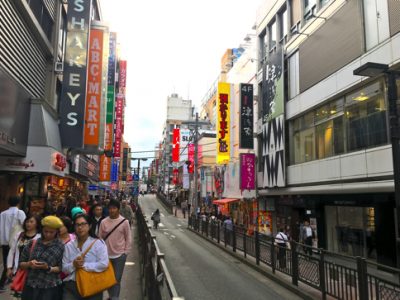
(73, 95)
(94, 89)
(191, 157)
(223, 122)
(272, 86)
(122, 76)
(247, 171)
(246, 121)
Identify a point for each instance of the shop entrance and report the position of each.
(351, 230)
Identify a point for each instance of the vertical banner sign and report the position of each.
(272, 86)
(246, 140)
(118, 125)
(105, 168)
(122, 76)
(247, 171)
(183, 144)
(72, 104)
(94, 89)
(223, 122)
(114, 170)
(124, 163)
(191, 157)
(108, 143)
(175, 145)
(175, 176)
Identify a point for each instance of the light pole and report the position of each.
(371, 69)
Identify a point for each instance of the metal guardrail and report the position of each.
(334, 275)
(157, 281)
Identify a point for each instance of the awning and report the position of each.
(225, 201)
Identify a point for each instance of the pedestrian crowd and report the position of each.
(71, 252)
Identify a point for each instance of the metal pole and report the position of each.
(395, 138)
(196, 162)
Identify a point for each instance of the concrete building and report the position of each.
(324, 139)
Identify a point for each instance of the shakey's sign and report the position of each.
(72, 104)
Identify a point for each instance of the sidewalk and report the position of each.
(131, 286)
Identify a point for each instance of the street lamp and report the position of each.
(371, 69)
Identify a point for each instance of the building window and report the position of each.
(376, 22)
(62, 35)
(366, 118)
(357, 121)
(263, 48)
(309, 8)
(294, 89)
(283, 24)
(272, 33)
(41, 14)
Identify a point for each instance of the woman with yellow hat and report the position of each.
(43, 260)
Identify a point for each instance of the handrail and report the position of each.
(155, 275)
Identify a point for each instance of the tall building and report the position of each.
(324, 139)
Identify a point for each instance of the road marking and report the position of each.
(178, 225)
(129, 263)
(166, 233)
(162, 215)
(181, 230)
(173, 236)
(161, 225)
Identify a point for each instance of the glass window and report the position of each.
(324, 134)
(338, 136)
(304, 145)
(294, 75)
(272, 35)
(366, 117)
(283, 26)
(309, 4)
(62, 34)
(42, 16)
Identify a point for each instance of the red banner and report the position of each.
(119, 108)
(175, 176)
(175, 145)
(191, 157)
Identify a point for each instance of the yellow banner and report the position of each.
(223, 122)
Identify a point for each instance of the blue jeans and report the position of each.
(118, 265)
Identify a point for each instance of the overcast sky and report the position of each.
(172, 46)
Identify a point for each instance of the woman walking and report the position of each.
(156, 218)
(31, 231)
(43, 262)
(95, 260)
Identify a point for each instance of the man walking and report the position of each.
(9, 219)
(126, 211)
(307, 236)
(116, 232)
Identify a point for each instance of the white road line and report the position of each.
(173, 236)
(161, 225)
(162, 215)
(178, 225)
(166, 233)
(181, 230)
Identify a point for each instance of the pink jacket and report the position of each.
(120, 241)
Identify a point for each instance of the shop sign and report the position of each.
(72, 104)
(246, 127)
(59, 162)
(118, 125)
(19, 164)
(94, 89)
(185, 139)
(114, 170)
(223, 123)
(247, 171)
(175, 145)
(93, 187)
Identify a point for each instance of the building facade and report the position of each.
(324, 140)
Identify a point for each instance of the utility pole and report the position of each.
(196, 125)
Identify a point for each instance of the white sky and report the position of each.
(172, 46)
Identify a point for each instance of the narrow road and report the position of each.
(202, 271)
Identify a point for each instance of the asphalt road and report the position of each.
(200, 270)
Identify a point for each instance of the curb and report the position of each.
(267, 274)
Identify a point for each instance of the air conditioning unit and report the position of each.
(59, 67)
